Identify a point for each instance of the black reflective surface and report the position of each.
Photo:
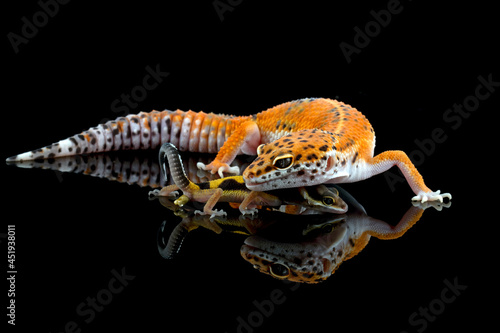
(90, 251)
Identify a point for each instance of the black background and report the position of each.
(73, 230)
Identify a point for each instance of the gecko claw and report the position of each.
(431, 196)
(219, 167)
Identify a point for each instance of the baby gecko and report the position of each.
(305, 142)
(306, 200)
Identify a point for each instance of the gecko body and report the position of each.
(300, 143)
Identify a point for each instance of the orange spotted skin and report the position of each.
(316, 140)
(310, 130)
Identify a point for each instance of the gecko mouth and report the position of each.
(265, 185)
(285, 180)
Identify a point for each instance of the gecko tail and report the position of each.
(175, 166)
(192, 131)
(140, 131)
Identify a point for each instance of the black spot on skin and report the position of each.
(277, 173)
(260, 163)
(81, 137)
(314, 171)
(268, 168)
(287, 140)
(323, 148)
(355, 157)
(298, 157)
(312, 177)
(312, 156)
(300, 173)
(258, 172)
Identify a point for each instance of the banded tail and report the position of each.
(175, 166)
(189, 131)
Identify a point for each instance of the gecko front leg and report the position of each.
(244, 139)
(387, 159)
(209, 205)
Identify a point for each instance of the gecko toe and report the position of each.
(431, 196)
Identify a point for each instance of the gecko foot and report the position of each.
(249, 211)
(219, 167)
(431, 196)
(435, 204)
(162, 193)
(212, 213)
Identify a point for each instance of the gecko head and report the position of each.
(311, 260)
(298, 159)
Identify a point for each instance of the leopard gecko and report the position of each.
(304, 142)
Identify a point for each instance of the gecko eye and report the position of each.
(328, 201)
(283, 162)
(279, 271)
(260, 149)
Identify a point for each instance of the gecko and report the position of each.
(306, 200)
(305, 142)
(325, 245)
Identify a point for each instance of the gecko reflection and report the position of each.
(131, 167)
(300, 249)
